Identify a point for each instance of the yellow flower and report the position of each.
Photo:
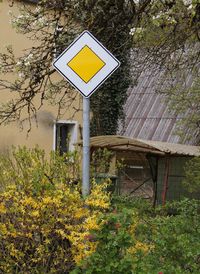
(98, 198)
(35, 213)
(61, 233)
(47, 200)
(3, 229)
(139, 246)
(2, 208)
(80, 213)
(29, 201)
(91, 223)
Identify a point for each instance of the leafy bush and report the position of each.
(45, 223)
(132, 241)
(101, 160)
(143, 207)
(114, 239)
(175, 240)
(192, 173)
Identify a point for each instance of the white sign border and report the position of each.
(111, 64)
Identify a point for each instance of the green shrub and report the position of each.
(192, 175)
(142, 206)
(134, 241)
(111, 254)
(175, 240)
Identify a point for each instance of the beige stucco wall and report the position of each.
(12, 134)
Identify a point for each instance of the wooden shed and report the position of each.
(152, 169)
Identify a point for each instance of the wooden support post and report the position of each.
(166, 181)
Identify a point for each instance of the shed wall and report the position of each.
(175, 189)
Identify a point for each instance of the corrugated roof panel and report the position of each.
(164, 134)
(147, 129)
(174, 149)
(157, 108)
(146, 112)
(116, 142)
(133, 127)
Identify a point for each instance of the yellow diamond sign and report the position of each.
(86, 64)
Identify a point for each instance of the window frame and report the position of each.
(74, 137)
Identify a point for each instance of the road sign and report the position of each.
(86, 64)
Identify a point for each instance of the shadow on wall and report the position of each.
(45, 119)
(41, 133)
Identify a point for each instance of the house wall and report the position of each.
(41, 133)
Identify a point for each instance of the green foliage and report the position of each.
(22, 165)
(192, 175)
(166, 17)
(183, 99)
(175, 240)
(143, 207)
(113, 241)
(147, 242)
(101, 159)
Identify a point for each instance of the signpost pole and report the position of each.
(86, 147)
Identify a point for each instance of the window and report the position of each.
(65, 136)
(32, 1)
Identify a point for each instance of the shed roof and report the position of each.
(116, 142)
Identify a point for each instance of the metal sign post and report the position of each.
(86, 147)
(86, 64)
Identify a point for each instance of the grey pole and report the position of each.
(86, 147)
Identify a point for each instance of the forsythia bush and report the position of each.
(44, 222)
